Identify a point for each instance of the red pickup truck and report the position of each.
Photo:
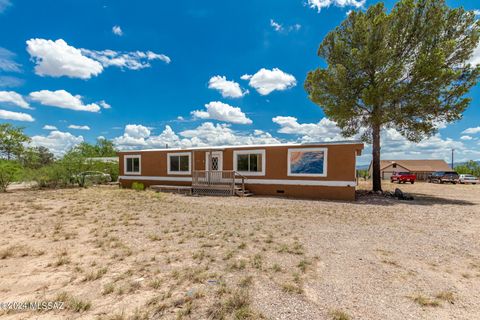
(403, 177)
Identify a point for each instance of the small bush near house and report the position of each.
(138, 186)
(9, 172)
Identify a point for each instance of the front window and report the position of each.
(179, 163)
(250, 162)
(132, 164)
(307, 162)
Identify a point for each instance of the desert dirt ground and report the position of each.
(110, 253)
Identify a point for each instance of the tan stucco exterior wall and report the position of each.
(341, 160)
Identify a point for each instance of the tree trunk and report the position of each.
(376, 177)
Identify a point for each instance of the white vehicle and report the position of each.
(468, 178)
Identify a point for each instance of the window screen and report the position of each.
(179, 163)
(251, 162)
(133, 165)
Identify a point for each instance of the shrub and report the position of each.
(68, 172)
(106, 167)
(52, 176)
(138, 186)
(9, 172)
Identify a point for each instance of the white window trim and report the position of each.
(189, 154)
(325, 164)
(248, 173)
(132, 156)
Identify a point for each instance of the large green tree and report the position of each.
(405, 69)
(36, 157)
(103, 148)
(471, 167)
(12, 140)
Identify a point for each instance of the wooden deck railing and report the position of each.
(218, 180)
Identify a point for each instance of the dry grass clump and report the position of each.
(73, 303)
(235, 304)
(425, 301)
(108, 288)
(95, 274)
(339, 315)
(446, 296)
(295, 248)
(61, 258)
(18, 251)
(7, 252)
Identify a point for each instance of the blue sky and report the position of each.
(150, 73)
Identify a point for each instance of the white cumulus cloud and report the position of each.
(133, 137)
(472, 130)
(63, 99)
(324, 130)
(466, 138)
(217, 110)
(58, 58)
(57, 142)
(137, 131)
(11, 97)
(117, 30)
(266, 81)
(104, 105)
(207, 134)
(77, 127)
(49, 127)
(16, 116)
(394, 145)
(228, 89)
(320, 4)
(135, 60)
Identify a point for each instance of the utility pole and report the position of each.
(453, 150)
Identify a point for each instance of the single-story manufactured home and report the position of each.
(421, 168)
(313, 171)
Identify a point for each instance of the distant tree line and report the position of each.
(21, 162)
(470, 167)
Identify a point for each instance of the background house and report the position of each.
(422, 168)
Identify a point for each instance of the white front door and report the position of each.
(215, 163)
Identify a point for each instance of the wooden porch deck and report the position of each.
(226, 182)
(211, 183)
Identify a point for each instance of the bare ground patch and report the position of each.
(109, 253)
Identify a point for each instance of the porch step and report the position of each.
(240, 193)
(173, 189)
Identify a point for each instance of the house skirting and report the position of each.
(305, 189)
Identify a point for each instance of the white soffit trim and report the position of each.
(156, 178)
(302, 182)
